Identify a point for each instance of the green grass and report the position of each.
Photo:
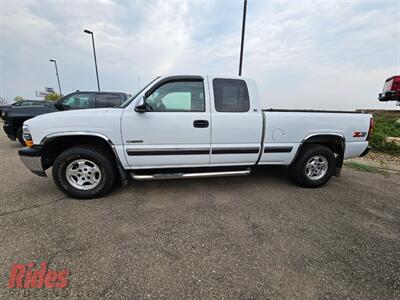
(385, 125)
(364, 168)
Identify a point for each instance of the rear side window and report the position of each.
(231, 95)
(107, 100)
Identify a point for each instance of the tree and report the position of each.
(18, 98)
(52, 96)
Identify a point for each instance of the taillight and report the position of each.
(371, 127)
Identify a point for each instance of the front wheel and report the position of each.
(314, 166)
(83, 172)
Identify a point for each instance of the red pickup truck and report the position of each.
(391, 89)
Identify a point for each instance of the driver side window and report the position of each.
(77, 101)
(178, 96)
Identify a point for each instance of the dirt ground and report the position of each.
(380, 160)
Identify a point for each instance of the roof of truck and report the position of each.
(204, 75)
(390, 78)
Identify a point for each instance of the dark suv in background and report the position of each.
(15, 116)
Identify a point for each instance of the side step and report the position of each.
(189, 175)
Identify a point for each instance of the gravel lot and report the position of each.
(253, 237)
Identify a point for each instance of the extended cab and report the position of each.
(190, 126)
(15, 116)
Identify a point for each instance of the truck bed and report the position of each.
(288, 128)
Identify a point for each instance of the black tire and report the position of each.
(298, 170)
(19, 137)
(97, 155)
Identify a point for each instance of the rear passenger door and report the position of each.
(236, 123)
(107, 100)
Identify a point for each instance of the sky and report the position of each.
(302, 54)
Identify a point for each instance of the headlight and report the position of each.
(26, 135)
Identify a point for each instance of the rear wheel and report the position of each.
(20, 136)
(82, 172)
(314, 166)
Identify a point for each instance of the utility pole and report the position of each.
(242, 41)
(58, 78)
(94, 54)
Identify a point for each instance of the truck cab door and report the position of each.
(237, 123)
(175, 129)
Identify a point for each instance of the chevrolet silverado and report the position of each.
(186, 126)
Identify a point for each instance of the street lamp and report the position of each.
(95, 60)
(58, 78)
(242, 41)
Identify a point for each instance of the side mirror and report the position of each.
(140, 106)
(59, 106)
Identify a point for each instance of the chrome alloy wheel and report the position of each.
(83, 174)
(316, 167)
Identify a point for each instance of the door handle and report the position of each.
(200, 123)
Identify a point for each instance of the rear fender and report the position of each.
(335, 141)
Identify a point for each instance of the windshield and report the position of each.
(127, 102)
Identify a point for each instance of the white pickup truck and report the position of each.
(186, 126)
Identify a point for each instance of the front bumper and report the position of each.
(32, 159)
(8, 129)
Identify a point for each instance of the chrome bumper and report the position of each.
(32, 159)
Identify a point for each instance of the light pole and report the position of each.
(58, 78)
(95, 60)
(242, 42)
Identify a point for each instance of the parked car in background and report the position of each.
(30, 103)
(22, 103)
(187, 126)
(391, 89)
(15, 116)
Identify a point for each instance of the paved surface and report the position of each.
(254, 237)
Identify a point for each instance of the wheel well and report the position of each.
(334, 142)
(54, 147)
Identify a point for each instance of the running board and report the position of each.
(189, 175)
